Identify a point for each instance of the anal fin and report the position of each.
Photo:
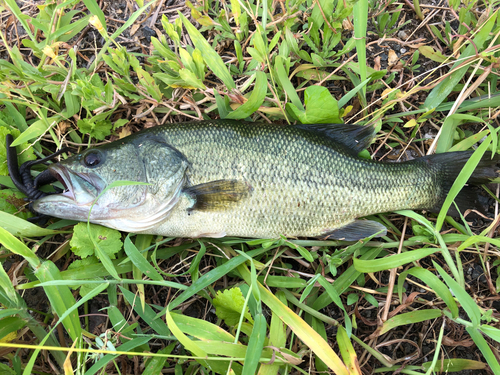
(217, 195)
(357, 230)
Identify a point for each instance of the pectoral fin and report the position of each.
(357, 230)
(217, 195)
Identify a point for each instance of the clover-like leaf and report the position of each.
(83, 240)
(229, 306)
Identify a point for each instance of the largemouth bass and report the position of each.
(232, 178)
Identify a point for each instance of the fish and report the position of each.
(234, 178)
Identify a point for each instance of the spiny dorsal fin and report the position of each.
(217, 195)
(354, 137)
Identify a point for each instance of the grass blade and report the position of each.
(279, 65)
(347, 351)
(215, 275)
(461, 180)
(95, 9)
(303, 331)
(392, 261)
(485, 349)
(466, 301)
(360, 14)
(255, 344)
(17, 247)
(406, 319)
(60, 297)
(445, 87)
(433, 282)
(139, 261)
(254, 101)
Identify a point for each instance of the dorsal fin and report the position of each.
(354, 137)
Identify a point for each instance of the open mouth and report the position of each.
(62, 175)
(82, 188)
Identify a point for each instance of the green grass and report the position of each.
(281, 306)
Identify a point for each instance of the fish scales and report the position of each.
(303, 183)
(225, 177)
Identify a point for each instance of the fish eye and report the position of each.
(92, 159)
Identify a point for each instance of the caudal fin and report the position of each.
(450, 164)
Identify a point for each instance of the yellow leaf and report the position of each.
(393, 57)
(410, 124)
(11, 336)
(94, 21)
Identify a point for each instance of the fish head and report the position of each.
(127, 185)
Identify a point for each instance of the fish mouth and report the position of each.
(81, 188)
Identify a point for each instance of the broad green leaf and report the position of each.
(282, 281)
(478, 239)
(18, 116)
(468, 142)
(191, 80)
(7, 369)
(456, 364)
(432, 54)
(24, 151)
(193, 347)
(83, 245)
(35, 130)
(229, 306)
(321, 107)
(67, 32)
(8, 326)
(211, 58)
(85, 287)
(201, 329)
(493, 332)
(254, 101)
(183, 339)
(10, 298)
(448, 128)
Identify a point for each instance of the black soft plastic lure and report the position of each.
(24, 181)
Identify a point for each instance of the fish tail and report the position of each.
(449, 165)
